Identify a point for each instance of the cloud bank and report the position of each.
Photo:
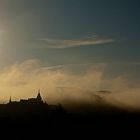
(58, 85)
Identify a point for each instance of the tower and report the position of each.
(10, 100)
(39, 98)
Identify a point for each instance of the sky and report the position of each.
(79, 44)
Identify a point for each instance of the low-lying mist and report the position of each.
(60, 84)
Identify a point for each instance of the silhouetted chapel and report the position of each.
(36, 100)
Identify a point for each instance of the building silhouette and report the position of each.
(31, 109)
(37, 100)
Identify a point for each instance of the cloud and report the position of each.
(59, 43)
(55, 67)
(22, 80)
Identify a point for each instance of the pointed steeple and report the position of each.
(10, 100)
(38, 91)
(39, 96)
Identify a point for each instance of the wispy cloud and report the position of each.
(60, 43)
(55, 67)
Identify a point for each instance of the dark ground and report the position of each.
(103, 123)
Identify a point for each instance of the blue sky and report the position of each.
(72, 32)
(25, 23)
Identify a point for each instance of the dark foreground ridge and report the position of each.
(34, 118)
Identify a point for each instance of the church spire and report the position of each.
(10, 100)
(38, 91)
(39, 98)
